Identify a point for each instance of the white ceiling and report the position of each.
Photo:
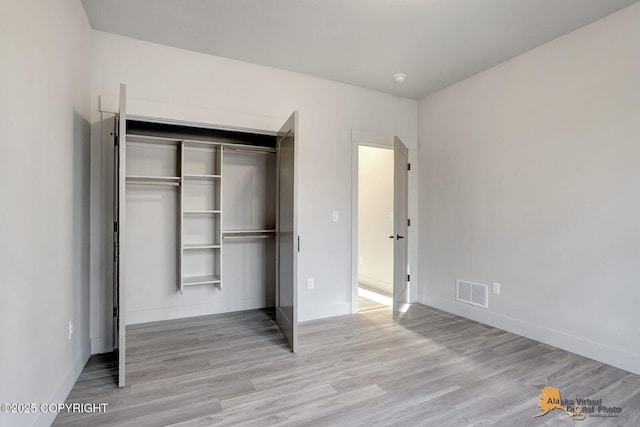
(360, 42)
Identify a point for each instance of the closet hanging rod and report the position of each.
(170, 184)
(267, 230)
(248, 236)
(250, 150)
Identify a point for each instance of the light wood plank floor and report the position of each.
(365, 304)
(431, 369)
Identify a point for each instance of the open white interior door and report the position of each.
(287, 232)
(119, 228)
(400, 224)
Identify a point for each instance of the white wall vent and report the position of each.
(472, 293)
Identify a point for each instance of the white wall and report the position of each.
(329, 111)
(44, 188)
(529, 176)
(375, 218)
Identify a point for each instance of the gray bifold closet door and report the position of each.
(119, 291)
(287, 243)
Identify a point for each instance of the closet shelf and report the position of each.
(201, 246)
(248, 234)
(152, 139)
(201, 280)
(231, 232)
(145, 179)
(202, 212)
(248, 149)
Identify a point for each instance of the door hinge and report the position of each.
(116, 255)
(298, 244)
(408, 223)
(115, 311)
(115, 226)
(408, 166)
(116, 126)
(408, 277)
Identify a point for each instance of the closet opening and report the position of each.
(189, 192)
(205, 222)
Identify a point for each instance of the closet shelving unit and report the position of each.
(200, 223)
(195, 168)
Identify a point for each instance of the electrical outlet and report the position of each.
(70, 328)
(496, 288)
(311, 283)
(335, 215)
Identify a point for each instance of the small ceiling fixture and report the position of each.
(399, 78)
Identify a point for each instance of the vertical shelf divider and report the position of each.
(219, 195)
(208, 174)
(181, 221)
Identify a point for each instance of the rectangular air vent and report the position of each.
(472, 293)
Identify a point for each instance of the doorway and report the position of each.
(375, 227)
(388, 236)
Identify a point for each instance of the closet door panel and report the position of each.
(287, 232)
(119, 256)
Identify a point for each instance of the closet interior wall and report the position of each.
(200, 221)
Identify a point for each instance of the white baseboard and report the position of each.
(45, 419)
(179, 312)
(321, 311)
(602, 353)
(370, 282)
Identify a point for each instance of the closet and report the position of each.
(204, 222)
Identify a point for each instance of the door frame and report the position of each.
(380, 140)
(101, 298)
